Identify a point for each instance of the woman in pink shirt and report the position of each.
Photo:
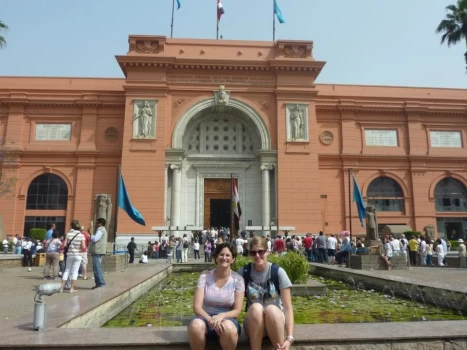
(217, 303)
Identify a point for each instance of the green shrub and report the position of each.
(37, 233)
(295, 265)
(454, 244)
(409, 234)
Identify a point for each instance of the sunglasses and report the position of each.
(260, 252)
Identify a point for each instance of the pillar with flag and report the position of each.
(236, 208)
(220, 12)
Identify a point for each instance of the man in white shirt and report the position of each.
(331, 245)
(5, 246)
(27, 254)
(395, 245)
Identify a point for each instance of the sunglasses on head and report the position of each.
(260, 252)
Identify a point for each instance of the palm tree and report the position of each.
(3, 26)
(454, 26)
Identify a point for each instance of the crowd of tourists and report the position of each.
(66, 254)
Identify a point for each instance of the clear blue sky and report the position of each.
(373, 42)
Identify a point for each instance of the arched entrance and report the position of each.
(211, 145)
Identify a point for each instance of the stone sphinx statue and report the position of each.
(371, 223)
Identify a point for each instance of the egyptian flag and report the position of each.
(236, 202)
(220, 10)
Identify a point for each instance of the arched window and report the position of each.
(385, 194)
(450, 195)
(47, 192)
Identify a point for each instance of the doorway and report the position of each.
(220, 213)
(454, 230)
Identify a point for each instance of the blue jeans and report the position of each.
(18, 250)
(309, 254)
(429, 260)
(178, 254)
(98, 271)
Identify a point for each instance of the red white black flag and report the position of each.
(236, 200)
(220, 10)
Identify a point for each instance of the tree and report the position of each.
(3, 27)
(454, 26)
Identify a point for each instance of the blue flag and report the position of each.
(357, 198)
(125, 204)
(278, 12)
(179, 4)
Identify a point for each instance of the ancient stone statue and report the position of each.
(144, 116)
(371, 223)
(103, 208)
(222, 96)
(296, 119)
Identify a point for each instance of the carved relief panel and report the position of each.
(297, 122)
(144, 119)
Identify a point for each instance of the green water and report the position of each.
(172, 306)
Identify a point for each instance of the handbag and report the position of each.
(65, 251)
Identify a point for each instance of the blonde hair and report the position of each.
(259, 242)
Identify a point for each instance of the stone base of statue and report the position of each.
(374, 245)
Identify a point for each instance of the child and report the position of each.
(144, 258)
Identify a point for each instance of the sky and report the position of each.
(368, 42)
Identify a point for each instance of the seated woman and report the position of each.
(269, 300)
(217, 303)
(386, 252)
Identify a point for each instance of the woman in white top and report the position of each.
(196, 249)
(186, 245)
(440, 252)
(386, 253)
(76, 244)
(239, 243)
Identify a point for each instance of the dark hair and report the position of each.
(221, 246)
(101, 221)
(54, 234)
(50, 226)
(76, 225)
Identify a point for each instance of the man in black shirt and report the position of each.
(131, 249)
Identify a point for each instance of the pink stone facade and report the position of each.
(311, 188)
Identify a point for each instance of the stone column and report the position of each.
(176, 194)
(265, 196)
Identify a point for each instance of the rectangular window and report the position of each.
(387, 204)
(449, 139)
(386, 138)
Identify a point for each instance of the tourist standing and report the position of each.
(196, 249)
(445, 249)
(74, 246)
(26, 250)
(307, 243)
(440, 251)
(84, 260)
(269, 300)
(321, 245)
(413, 249)
(429, 252)
(218, 302)
(186, 245)
(155, 254)
(131, 250)
(5, 246)
(51, 230)
(462, 252)
(332, 243)
(98, 248)
(52, 257)
(279, 245)
(207, 251)
(178, 250)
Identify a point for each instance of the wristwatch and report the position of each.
(291, 339)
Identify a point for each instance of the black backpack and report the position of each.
(246, 273)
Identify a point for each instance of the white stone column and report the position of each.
(265, 196)
(176, 194)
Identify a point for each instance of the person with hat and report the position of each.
(462, 252)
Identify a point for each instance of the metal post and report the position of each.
(350, 206)
(172, 24)
(273, 21)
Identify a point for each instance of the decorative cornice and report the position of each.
(223, 165)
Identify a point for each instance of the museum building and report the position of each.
(190, 114)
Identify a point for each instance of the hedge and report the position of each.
(37, 233)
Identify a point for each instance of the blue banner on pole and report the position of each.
(125, 203)
(179, 4)
(278, 12)
(358, 199)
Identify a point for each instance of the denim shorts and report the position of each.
(212, 334)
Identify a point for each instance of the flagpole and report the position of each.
(217, 23)
(232, 214)
(117, 197)
(273, 21)
(172, 24)
(350, 205)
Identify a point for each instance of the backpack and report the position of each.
(185, 244)
(246, 273)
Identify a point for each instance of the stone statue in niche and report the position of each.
(222, 96)
(103, 208)
(297, 124)
(143, 122)
(371, 223)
